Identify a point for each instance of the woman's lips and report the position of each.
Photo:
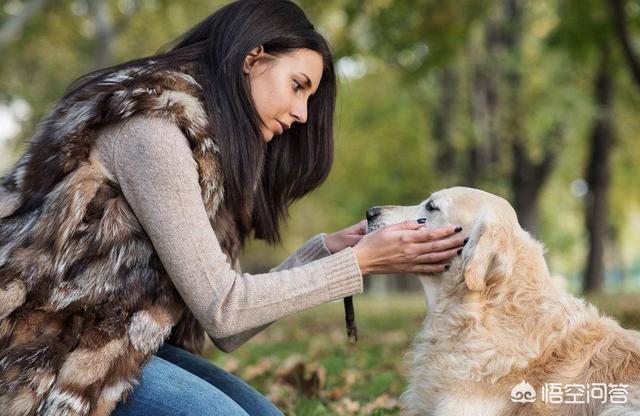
(282, 126)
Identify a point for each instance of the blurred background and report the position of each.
(537, 101)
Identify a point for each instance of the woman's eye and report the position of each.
(296, 85)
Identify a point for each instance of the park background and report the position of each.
(535, 100)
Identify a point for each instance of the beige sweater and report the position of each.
(152, 162)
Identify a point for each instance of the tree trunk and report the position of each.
(527, 180)
(13, 26)
(483, 152)
(597, 199)
(108, 30)
(622, 32)
(525, 184)
(105, 34)
(443, 123)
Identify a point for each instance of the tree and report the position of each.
(12, 27)
(619, 23)
(598, 172)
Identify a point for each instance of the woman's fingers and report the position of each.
(439, 245)
(429, 268)
(356, 232)
(405, 225)
(432, 234)
(359, 228)
(437, 257)
(408, 247)
(352, 239)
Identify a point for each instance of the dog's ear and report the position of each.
(487, 251)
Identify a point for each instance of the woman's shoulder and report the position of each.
(142, 138)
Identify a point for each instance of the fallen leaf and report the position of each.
(282, 395)
(346, 406)
(308, 379)
(231, 365)
(381, 402)
(261, 368)
(351, 375)
(335, 393)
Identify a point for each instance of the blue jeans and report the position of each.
(175, 382)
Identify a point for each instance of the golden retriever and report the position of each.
(499, 338)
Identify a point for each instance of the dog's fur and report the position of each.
(495, 320)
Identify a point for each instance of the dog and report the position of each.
(500, 338)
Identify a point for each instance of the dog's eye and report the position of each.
(430, 207)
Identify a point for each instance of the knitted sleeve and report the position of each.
(157, 173)
(313, 249)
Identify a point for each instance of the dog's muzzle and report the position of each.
(373, 219)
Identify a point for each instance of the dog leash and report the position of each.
(350, 317)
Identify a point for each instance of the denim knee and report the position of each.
(238, 390)
(166, 389)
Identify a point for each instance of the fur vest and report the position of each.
(84, 298)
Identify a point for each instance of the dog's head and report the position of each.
(488, 220)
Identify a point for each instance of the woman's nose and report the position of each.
(299, 112)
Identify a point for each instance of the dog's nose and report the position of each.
(372, 213)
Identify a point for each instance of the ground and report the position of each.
(305, 365)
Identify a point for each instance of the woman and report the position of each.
(120, 223)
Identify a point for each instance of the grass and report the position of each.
(306, 367)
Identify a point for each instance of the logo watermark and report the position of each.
(557, 393)
(523, 393)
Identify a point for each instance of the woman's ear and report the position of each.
(488, 251)
(254, 56)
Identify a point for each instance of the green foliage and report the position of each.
(386, 146)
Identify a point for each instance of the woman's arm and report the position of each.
(312, 249)
(158, 176)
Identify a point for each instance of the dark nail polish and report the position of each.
(459, 251)
(422, 220)
(447, 267)
(466, 240)
(458, 229)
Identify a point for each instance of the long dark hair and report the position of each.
(267, 178)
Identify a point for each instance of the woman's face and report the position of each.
(281, 86)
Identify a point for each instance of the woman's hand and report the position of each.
(407, 247)
(348, 237)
